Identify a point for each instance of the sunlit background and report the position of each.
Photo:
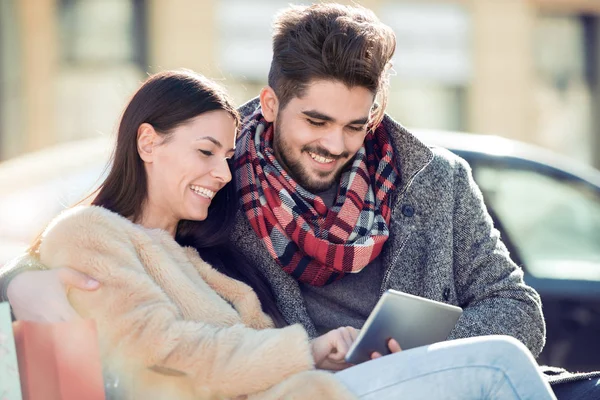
(527, 71)
(524, 69)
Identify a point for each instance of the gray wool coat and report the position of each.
(442, 246)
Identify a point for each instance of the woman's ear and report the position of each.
(147, 139)
(269, 103)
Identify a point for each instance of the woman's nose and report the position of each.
(221, 171)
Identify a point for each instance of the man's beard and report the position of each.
(298, 172)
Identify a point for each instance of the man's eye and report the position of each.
(206, 152)
(315, 123)
(357, 128)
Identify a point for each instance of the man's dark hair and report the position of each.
(330, 42)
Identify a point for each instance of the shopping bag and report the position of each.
(59, 361)
(10, 387)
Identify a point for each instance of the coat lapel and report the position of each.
(412, 156)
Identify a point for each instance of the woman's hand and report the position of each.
(329, 350)
(41, 295)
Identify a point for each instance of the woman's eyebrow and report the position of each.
(211, 139)
(216, 142)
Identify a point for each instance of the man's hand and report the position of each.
(41, 295)
(392, 345)
(330, 349)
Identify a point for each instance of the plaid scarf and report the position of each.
(316, 245)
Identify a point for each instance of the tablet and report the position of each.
(412, 320)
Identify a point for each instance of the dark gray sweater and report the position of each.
(336, 304)
(442, 246)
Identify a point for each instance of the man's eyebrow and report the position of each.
(318, 115)
(360, 121)
(215, 141)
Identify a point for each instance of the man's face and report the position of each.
(317, 135)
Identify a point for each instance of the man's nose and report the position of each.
(333, 142)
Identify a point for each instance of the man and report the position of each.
(340, 202)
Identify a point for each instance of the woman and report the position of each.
(172, 326)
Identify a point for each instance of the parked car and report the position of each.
(546, 207)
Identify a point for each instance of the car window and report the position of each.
(553, 220)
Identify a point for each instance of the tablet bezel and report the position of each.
(434, 320)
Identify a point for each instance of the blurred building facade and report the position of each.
(524, 69)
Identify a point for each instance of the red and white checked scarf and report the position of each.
(316, 245)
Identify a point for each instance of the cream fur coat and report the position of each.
(171, 326)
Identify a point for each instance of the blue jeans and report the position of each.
(487, 367)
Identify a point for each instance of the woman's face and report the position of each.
(188, 168)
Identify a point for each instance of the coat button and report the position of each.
(408, 211)
(446, 294)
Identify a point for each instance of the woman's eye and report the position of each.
(206, 152)
(315, 123)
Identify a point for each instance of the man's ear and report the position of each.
(147, 139)
(269, 103)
